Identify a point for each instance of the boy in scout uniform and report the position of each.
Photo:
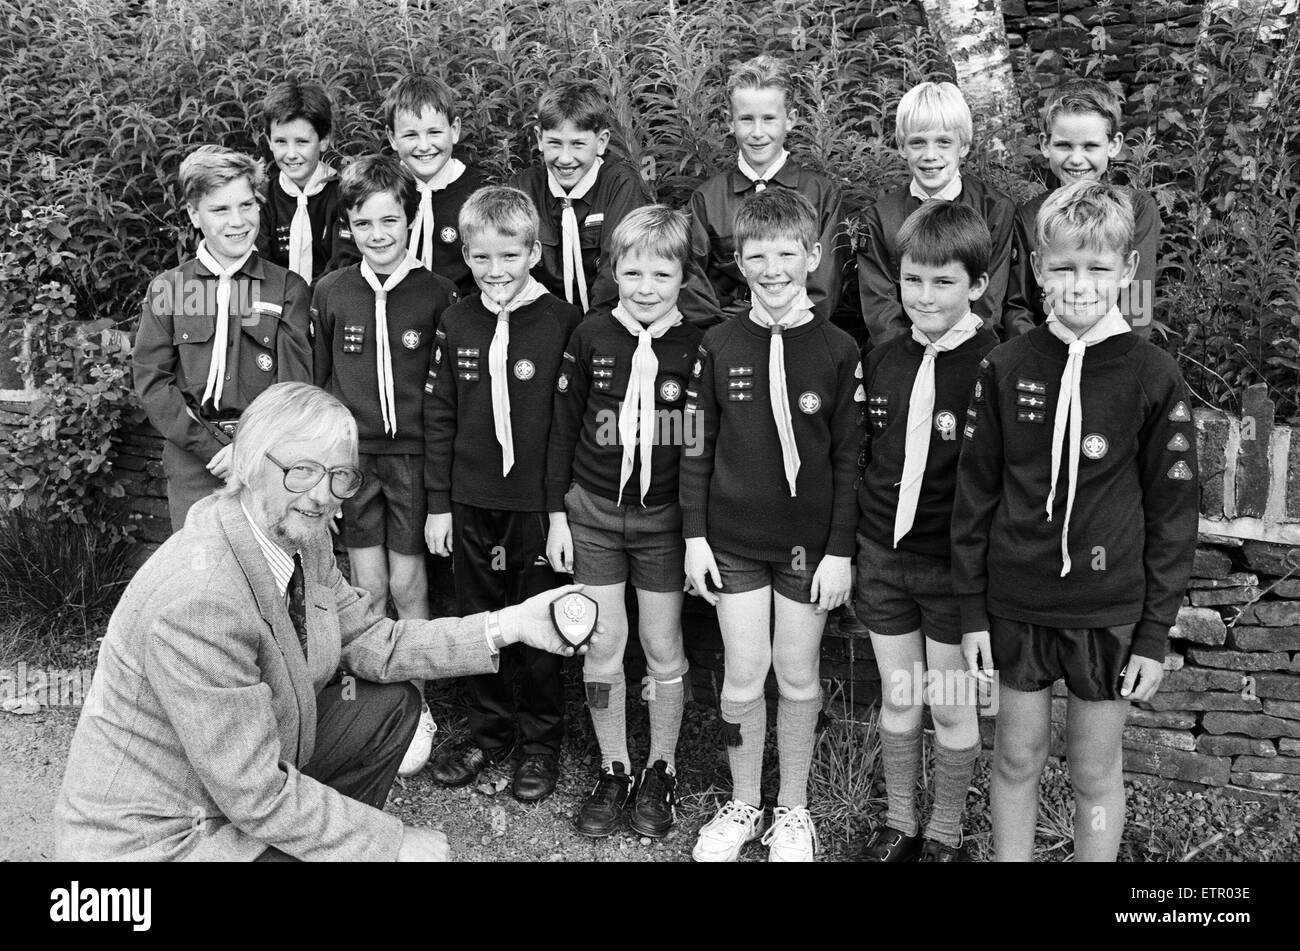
(217, 330)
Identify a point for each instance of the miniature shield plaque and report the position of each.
(574, 616)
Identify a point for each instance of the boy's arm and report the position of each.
(978, 494)
(877, 283)
(265, 245)
(322, 335)
(1146, 239)
(846, 443)
(1022, 287)
(154, 362)
(1001, 218)
(824, 284)
(293, 342)
(440, 399)
(628, 193)
(570, 404)
(701, 431)
(1170, 493)
(697, 301)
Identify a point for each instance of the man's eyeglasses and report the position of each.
(345, 481)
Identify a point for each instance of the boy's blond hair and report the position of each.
(1093, 215)
(653, 229)
(933, 106)
(416, 92)
(1084, 97)
(210, 167)
(761, 72)
(775, 213)
(502, 209)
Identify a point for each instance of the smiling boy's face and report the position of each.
(227, 217)
(934, 157)
(776, 270)
(648, 284)
(570, 152)
(1081, 284)
(936, 296)
(500, 263)
(379, 227)
(424, 142)
(296, 149)
(760, 121)
(1078, 146)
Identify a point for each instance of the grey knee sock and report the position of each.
(796, 735)
(900, 755)
(744, 729)
(666, 700)
(607, 701)
(952, 775)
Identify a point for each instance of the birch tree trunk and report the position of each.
(975, 37)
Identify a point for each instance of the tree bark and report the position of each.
(975, 37)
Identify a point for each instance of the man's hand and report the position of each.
(220, 464)
(831, 582)
(423, 845)
(559, 544)
(1146, 674)
(977, 648)
(530, 623)
(700, 567)
(437, 533)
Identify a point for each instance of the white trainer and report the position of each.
(792, 836)
(417, 754)
(723, 836)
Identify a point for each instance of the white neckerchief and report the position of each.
(497, 354)
(221, 337)
(639, 402)
(422, 227)
(949, 192)
(920, 410)
(760, 182)
(800, 313)
(383, 349)
(570, 243)
(300, 236)
(1069, 401)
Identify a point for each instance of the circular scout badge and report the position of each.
(945, 422)
(698, 368)
(437, 354)
(574, 616)
(264, 362)
(670, 391)
(979, 391)
(562, 384)
(1095, 445)
(810, 402)
(448, 235)
(411, 339)
(524, 370)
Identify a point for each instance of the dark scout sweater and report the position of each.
(462, 455)
(733, 488)
(585, 444)
(344, 350)
(889, 373)
(1133, 529)
(447, 257)
(332, 246)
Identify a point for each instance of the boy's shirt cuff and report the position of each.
(439, 503)
(974, 613)
(1151, 639)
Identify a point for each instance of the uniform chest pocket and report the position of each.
(192, 330)
(590, 230)
(878, 411)
(262, 329)
(469, 364)
(741, 386)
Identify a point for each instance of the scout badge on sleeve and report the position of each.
(574, 616)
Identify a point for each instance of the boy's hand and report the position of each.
(1146, 674)
(977, 648)
(559, 544)
(700, 567)
(437, 533)
(831, 582)
(220, 464)
(530, 623)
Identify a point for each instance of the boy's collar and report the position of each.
(949, 192)
(252, 267)
(787, 175)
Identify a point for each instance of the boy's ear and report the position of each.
(978, 287)
(194, 215)
(454, 130)
(1044, 141)
(1115, 145)
(602, 140)
(815, 256)
(1130, 268)
(1036, 262)
(392, 139)
(534, 255)
(324, 146)
(791, 117)
(537, 136)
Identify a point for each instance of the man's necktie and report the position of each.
(298, 602)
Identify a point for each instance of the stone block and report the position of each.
(1201, 626)
(1202, 597)
(1271, 613)
(1200, 679)
(1270, 558)
(1210, 563)
(1254, 470)
(1168, 719)
(1272, 781)
(1176, 764)
(1233, 745)
(1239, 660)
(1234, 580)
(1207, 700)
(1288, 746)
(1278, 686)
(1174, 739)
(1173, 661)
(1251, 724)
(1286, 709)
(1290, 588)
(1275, 764)
(1252, 638)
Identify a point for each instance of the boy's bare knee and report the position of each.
(1019, 765)
(1097, 780)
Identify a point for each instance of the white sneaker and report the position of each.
(417, 754)
(792, 837)
(723, 836)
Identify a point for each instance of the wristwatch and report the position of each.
(496, 640)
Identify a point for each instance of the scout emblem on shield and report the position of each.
(574, 616)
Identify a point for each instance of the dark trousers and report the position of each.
(499, 559)
(360, 741)
(188, 480)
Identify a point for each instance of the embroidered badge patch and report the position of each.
(411, 339)
(1178, 443)
(979, 391)
(524, 370)
(1030, 416)
(448, 235)
(1031, 386)
(1180, 470)
(562, 383)
(697, 369)
(809, 402)
(945, 422)
(670, 391)
(1179, 413)
(264, 362)
(353, 335)
(1094, 445)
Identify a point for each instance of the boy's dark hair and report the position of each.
(576, 101)
(775, 213)
(502, 209)
(370, 175)
(416, 92)
(940, 232)
(1083, 97)
(294, 100)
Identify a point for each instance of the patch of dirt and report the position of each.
(33, 752)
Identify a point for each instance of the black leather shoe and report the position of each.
(599, 815)
(653, 809)
(461, 765)
(535, 777)
(934, 851)
(890, 845)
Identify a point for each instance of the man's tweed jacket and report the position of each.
(203, 708)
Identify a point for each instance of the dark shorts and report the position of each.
(390, 508)
(740, 574)
(611, 541)
(1031, 657)
(900, 591)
